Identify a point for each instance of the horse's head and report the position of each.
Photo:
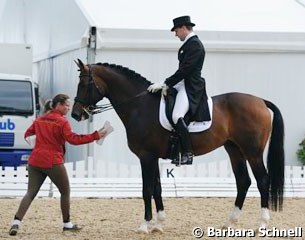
(88, 93)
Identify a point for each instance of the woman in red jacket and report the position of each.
(52, 130)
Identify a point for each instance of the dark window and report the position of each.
(16, 97)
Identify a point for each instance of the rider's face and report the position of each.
(181, 32)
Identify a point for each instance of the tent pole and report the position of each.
(91, 53)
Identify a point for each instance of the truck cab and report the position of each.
(19, 103)
(18, 110)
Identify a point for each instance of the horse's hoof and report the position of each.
(144, 231)
(143, 228)
(161, 216)
(157, 229)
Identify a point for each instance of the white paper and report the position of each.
(109, 129)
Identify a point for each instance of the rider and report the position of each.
(191, 98)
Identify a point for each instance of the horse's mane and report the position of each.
(126, 71)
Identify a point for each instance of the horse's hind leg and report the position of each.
(242, 177)
(261, 176)
(159, 203)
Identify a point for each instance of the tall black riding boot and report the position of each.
(173, 151)
(185, 142)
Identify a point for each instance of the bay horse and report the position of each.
(241, 123)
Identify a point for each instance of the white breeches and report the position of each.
(182, 104)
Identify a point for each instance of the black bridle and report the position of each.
(92, 108)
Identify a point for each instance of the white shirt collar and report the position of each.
(191, 34)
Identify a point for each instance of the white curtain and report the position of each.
(12, 21)
(42, 74)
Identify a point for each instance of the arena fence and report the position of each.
(213, 179)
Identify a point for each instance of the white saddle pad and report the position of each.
(193, 126)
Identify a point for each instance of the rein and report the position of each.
(95, 109)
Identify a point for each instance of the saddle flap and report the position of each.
(170, 100)
(193, 126)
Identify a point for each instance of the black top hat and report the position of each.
(180, 21)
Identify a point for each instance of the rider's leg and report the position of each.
(181, 104)
(180, 109)
(185, 141)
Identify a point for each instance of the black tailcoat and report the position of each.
(191, 57)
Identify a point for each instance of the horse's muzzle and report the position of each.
(77, 117)
(78, 113)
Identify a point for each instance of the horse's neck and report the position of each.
(127, 95)
(123, 92)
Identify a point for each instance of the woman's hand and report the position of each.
(102, 132)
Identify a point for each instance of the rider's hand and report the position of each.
(158, 86)
(155, 87)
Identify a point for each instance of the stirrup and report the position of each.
(187, 158)
(176, 161)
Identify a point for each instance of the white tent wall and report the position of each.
(54, 27)
(12, 24)
(274, 73)
(43, 74)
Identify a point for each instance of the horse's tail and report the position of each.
(276, 159)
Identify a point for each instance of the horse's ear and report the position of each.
(80, 64)
(77, 63)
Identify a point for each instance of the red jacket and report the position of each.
(52, 130)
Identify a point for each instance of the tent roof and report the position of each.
(212, 15)
(56, 26)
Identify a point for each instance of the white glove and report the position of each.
(164, 90)
(158, 86)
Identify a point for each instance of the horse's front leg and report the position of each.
(159, 202)
(149, 165)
